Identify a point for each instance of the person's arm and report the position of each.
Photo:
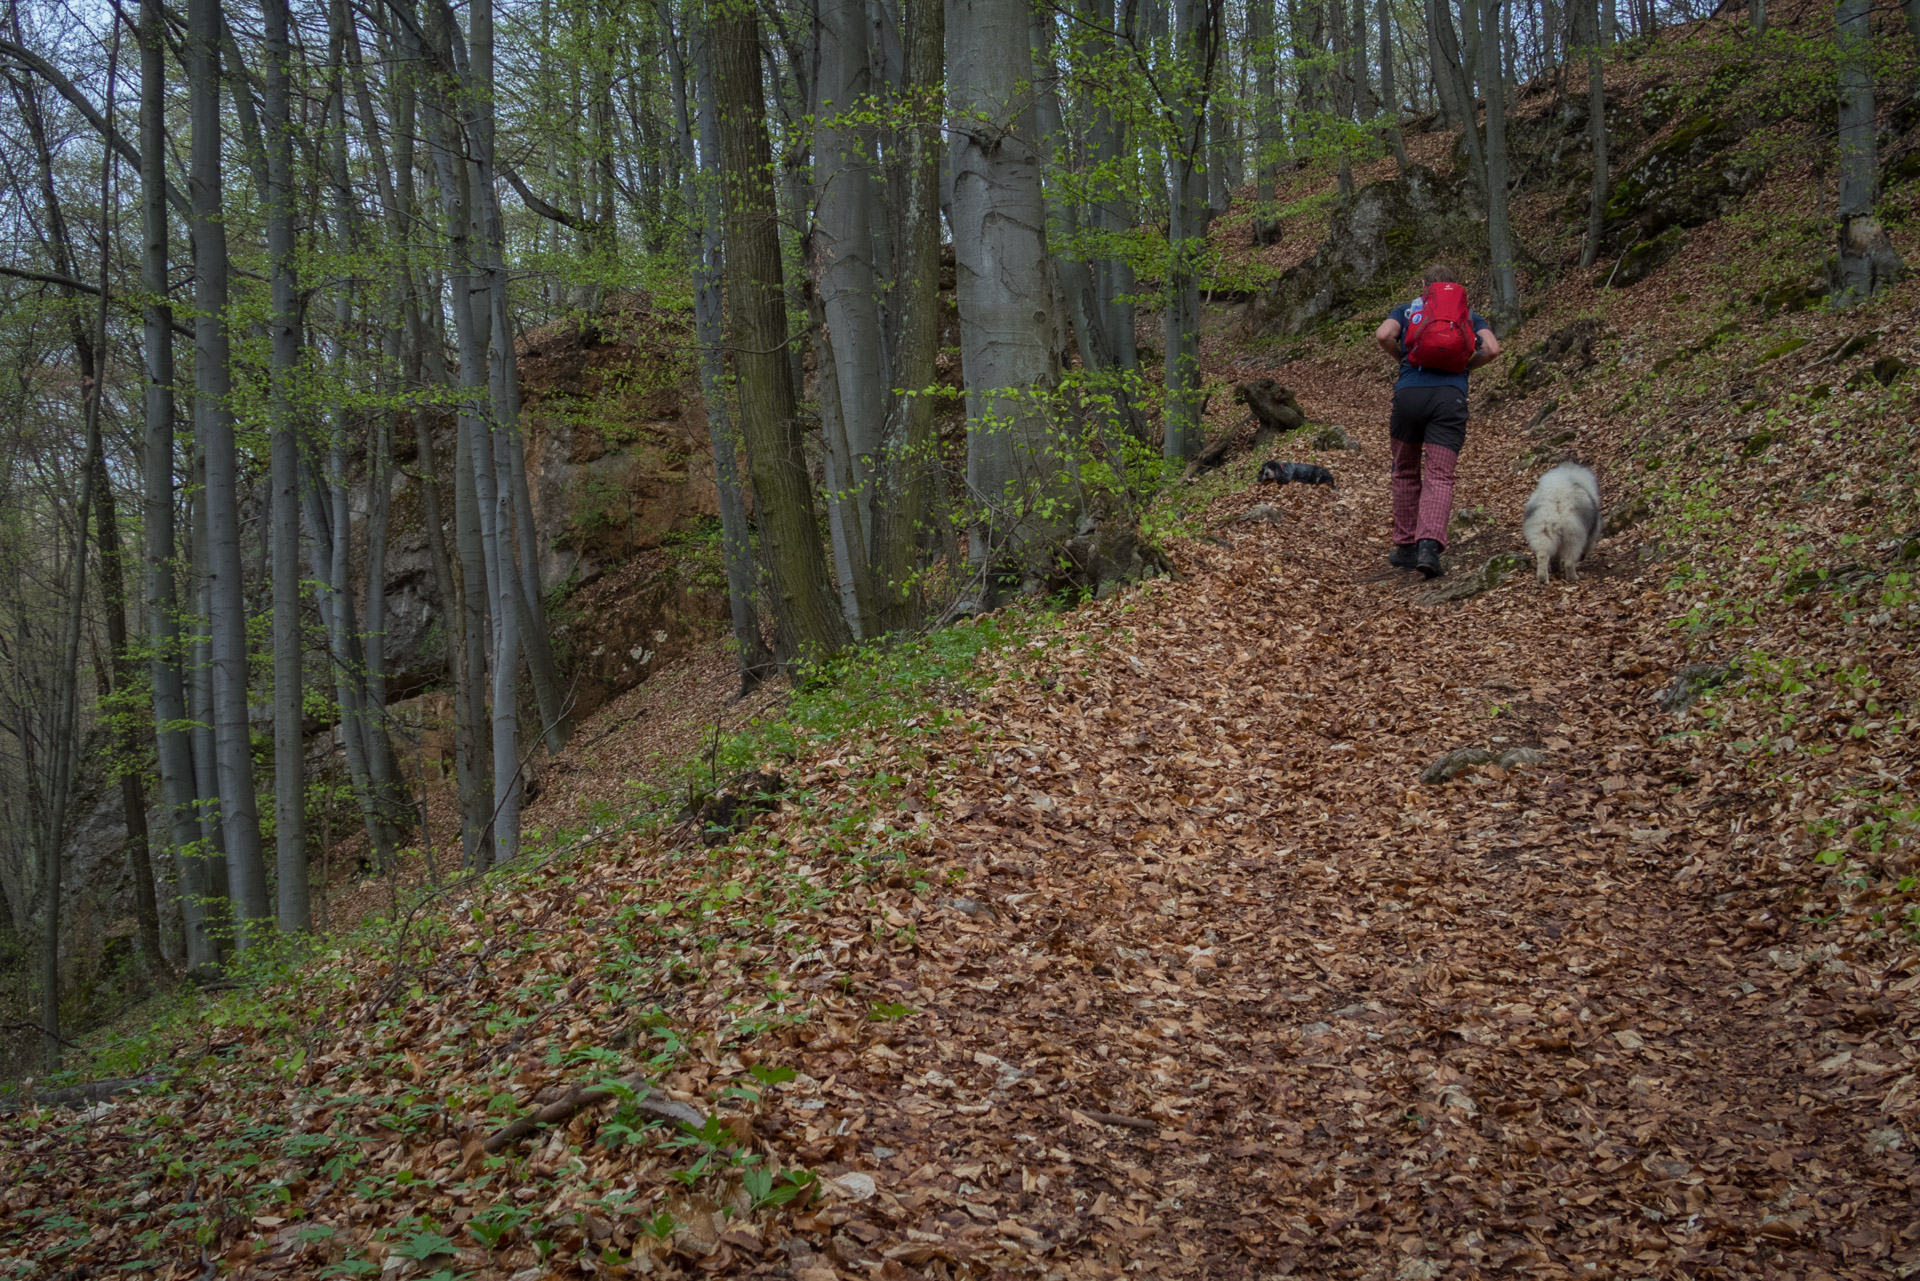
(1388, 336)
(1489, 349)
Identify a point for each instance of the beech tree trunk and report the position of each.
(1453, 80)
(494, 472)
(1389, 97)
(1194, 38)
(909, 454)
(520, 545)
(1262, 55)
(1596, 136)
(173, 752)
(117, 678)
(1506, 284)
(1016, 471)
(89, 344)
(289, 760)
(1072, 272)
(1867, 262)
(1113, 281)
(704, 213)
(213, 420)
(842, 259)
(811, 628)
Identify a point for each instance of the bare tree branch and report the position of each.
(33, 62)
(68, 282)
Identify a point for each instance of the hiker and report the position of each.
(1436, 339)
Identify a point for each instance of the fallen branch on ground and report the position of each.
(645, 1099)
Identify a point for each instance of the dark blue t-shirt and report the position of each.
(1413, 375)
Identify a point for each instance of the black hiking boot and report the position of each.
(1401, 557)
(1426, 558)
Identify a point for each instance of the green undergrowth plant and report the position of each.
(913, 686)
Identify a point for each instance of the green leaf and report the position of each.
(493, 1225)
(424, 1245)
(347, 1268)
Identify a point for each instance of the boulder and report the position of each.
(1643, 258)
(1261, 514)
(1692, 681)
(1334, 436)
(1104, 556)
(1455, 763)
(1491, 573)
(1380, 236)
(1686, 179)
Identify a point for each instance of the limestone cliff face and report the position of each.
(621, 478)
(1381, 234)
(622, 484)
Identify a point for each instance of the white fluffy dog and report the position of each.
(1562, 520)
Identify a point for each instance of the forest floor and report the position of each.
(1157, 958)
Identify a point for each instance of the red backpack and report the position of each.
(1440, 330)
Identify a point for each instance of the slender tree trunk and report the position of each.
(1194, 36)
(492, 463)
(173, 752)
(702, 188)
(466, 574)
(1111, 216)
(1073, 272)
(206, 774)
(1867, 262)
(118, 677)
(1362, 78)
(1506, 285)
(1597, 138)
(289, 742)
(1389, 96)
(1262, 52)
(811, 628)
(1345, 91)
(63, 744)
(1453, 82)
(227, 621)
(842, 259)
(90, 350)
(521, 582)
(909, 455)
(401, 344)
(472, 748)
(1219, 131)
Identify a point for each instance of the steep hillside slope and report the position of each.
(1160, 957)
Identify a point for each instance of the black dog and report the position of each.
(1294, 473)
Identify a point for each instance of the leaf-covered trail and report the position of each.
(1537, 1022)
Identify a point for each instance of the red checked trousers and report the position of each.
(1429, 426)
(1422, 491)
